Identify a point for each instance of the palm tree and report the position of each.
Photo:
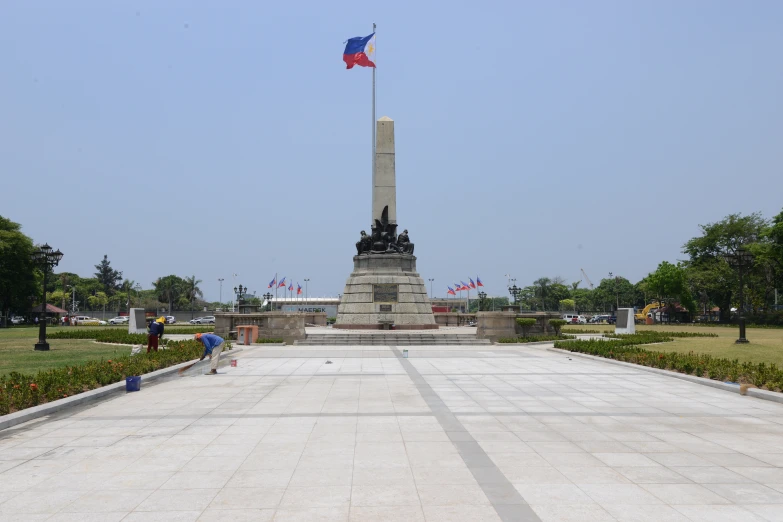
(168, 289)
(191, 289)
(541, 286)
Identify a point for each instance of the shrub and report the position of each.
(557, 324)
(272, 340)
(121, 336)
(629, 348)
(534, 339)
(18, 391)
(525, 323)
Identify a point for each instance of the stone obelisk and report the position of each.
(384, 185)
(384, 289)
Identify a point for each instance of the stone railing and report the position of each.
(500, 325)
(289, 326)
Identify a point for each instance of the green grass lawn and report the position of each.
(766, 344)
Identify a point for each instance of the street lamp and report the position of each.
(307, 296)
(221, 291)
(268, 298)
(46, 259)
(740, 259)
(515, 291)
(138, 289)
(240, 291)
(616, 291)
(431, 294)
(482, 297)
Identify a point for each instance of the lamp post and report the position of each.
(138, 296)
(220, 280)
(268, 298)
(46, 259)
(616, 291)
(482, 298)
(431, 280)
(307, 296)
(740, 259)
(514, 291)
(240, 291)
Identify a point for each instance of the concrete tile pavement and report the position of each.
(451, 433)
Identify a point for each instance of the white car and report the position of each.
(170, 319)
(17, 320)
(197, 320)
(119, 320)
(574, 319)
(83, 320)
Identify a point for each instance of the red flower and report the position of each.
(33, 386)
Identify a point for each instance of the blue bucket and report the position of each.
(132, 384)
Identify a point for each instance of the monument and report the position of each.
(384, 288)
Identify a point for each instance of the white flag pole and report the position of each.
(373, 124)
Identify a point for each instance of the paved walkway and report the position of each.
(451, 433)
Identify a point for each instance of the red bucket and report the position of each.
(234, 363)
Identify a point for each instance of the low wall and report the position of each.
(271, 325)
(453, 318)
(500, 325)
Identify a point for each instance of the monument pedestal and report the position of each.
(383, 290)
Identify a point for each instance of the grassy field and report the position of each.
(17, 354)
(766, 344)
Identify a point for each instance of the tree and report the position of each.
(669, 282)
(567, 304)
(99, 300)
(107, 276)
(708, 268)
(17, 271)
(169, 289)
(191, 289)
(541, 289)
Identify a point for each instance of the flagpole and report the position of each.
(373, 121)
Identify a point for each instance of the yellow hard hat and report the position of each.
(160, 320)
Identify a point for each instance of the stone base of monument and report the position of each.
(385, 290)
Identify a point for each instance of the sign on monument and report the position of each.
(385, 293)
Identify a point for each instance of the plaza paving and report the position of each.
(450, 433)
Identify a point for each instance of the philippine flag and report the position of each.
(298, 289)
(360, 51)
(282, 283)
(464, 286)
(478, 281)
(451, 291)
(472, 284)
(273, 282)
(458, 287)
(291, 286)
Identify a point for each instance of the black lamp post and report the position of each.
(515, 291)
(46, 259)
(268, 298)
(482, 298)
(740, 259)
(240, 291)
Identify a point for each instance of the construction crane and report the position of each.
(587, 278)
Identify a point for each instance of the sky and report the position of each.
(533, 138)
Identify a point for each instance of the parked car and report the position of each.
(83, 320)
(119, 320)
(170, 319)
(612, 319)
(101, 322)
(574, 318)
(210, 319)
(17, 320)
(197, 320)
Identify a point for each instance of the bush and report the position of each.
(629, 348)
(534, 339)
(18, 391)
(121, 336)
(525, 323)
(557, 324)
(273, 340)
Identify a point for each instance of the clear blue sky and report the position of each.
(532, 138)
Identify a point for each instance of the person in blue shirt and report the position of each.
(213, 345)
(156, 333)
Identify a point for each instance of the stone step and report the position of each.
(396, 339)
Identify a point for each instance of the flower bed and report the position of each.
(18, 391)
(629, 348)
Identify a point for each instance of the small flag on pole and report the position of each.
(298, 289)
(291, 286)
(360, 51)
(472, 284)
(282, 283)
(451, 291)
(273, 282)
(464, 286)
(478, 281)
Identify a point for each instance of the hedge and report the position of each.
(18, 391)
(534, 339)
(629, 348)
(120, 336)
